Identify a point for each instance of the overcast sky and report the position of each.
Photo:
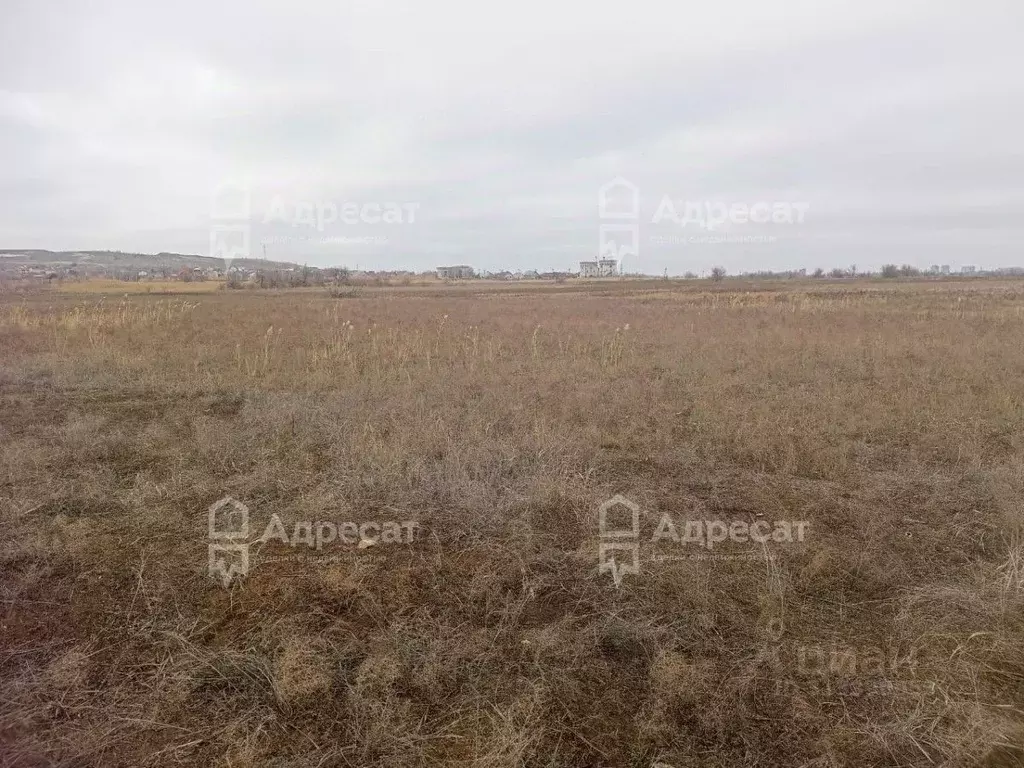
(895, 125)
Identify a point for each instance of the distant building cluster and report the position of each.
(83, 265)
(463, 272)
(944, 269)
(599, 268)
(459, 272)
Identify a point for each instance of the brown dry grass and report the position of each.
(121, 287)
(887, 415)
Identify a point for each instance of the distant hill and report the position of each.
(120, 260)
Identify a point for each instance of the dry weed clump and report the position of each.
(887, 417)
(303, 672)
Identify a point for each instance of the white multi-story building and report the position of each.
(599, 268)
(459, 272)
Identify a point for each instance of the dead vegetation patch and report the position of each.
(886, 418)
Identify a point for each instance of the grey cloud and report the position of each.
(898, 124)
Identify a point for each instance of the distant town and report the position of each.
(133, 267)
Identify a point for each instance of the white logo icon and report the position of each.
(619, 540)
(229, 241)
(228, 530)
(618, 199)
(230, 211)
(618, 207)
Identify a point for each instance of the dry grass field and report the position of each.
(121, 287)
(885, 416)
